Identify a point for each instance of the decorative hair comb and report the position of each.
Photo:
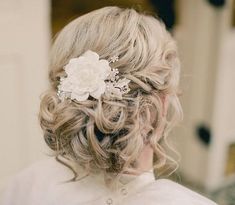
(88, 75)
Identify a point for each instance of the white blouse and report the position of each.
(43, 184)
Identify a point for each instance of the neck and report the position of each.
(145, 161)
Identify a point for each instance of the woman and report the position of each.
(114, 77)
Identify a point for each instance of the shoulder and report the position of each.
(49, 180)
(45, 169)
(35, 181)
(167, 192)
(41, 170)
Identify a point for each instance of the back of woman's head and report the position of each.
(109, 134)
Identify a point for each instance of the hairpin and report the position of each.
(88, 75)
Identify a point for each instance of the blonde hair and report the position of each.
(107, 135)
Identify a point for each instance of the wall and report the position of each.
(24, 40)
(200, 34)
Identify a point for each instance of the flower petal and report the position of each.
(91, 56)
(73, 61)
(98, 92)
(104, 69)
(79, 97)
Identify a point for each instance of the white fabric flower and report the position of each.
(86, 76)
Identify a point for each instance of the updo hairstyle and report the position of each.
(109, 135)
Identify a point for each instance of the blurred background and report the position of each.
(205, 32)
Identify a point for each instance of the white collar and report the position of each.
(134, 182)
(126, 181)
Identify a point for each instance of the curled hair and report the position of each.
(109, 135)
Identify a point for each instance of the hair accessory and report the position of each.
(114, 59)
(88, 75)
